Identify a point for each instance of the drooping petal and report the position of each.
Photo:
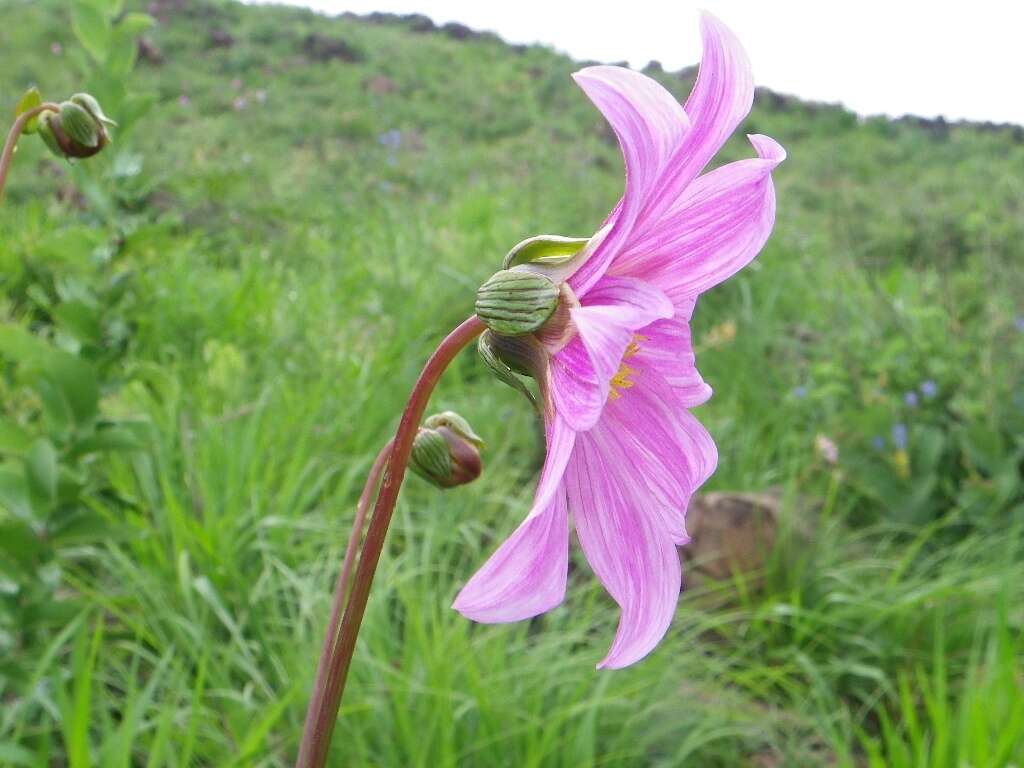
(629, 551)
(649, 124)
(664, 441)
(714, 229)
(526, 575)
(720, 100)
(582, 371)
(667, 347)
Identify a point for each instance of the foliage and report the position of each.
(252, 278)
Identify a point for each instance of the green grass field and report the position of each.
(210, 329)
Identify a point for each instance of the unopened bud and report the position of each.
(515, 302)
(78, 130)
(446, 451)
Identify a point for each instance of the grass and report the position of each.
(284, 274)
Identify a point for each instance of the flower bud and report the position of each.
(446, 451)
(515, 302)
(78, 130)
(507, 356)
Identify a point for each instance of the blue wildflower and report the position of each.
(878, 443)
(800, 392)
(391, 139)
(929, 389)
(910, 398)
(899, 436)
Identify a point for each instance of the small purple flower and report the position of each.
(899, 436)
(391, 139)
(910, 398)
(929, 389)
(56, 48)
(800, 392)
(184, 100)
(240, 103)
(1019, 323)
(878, 443)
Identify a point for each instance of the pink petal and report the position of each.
(582, 371)
(649, 123)
(526, 576)
(716, 228)
(667, 347)
(664, 440)
(629, 551)
(720, 100)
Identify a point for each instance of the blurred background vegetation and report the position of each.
(208, 331)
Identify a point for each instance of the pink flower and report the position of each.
(624, 454)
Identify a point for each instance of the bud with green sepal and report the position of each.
(446, 451)
(515, 302)
(78, 130)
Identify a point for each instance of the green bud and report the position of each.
(456, 424)
(514, 302)
(90, 105)
(508, 356)
(446, 451)
(78, 130)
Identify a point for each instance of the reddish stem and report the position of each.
(323, 710)
(14, 134)
(316, 702)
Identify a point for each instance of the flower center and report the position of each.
(623, 377)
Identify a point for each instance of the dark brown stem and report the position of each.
(14, 134)
(320, 720)
(341, 586)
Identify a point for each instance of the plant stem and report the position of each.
(14, 134)
(323, 711)
(316, 702)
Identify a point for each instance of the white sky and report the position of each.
(960, 60)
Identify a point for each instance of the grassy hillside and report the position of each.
(239, 294)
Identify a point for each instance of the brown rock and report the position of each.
(731, 533)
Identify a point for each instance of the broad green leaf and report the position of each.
(80, 320)
(134, 24)
(121, 53)
(41, 473)
(19, 345)
(30, 100)
(77, 382)
(13, 439)
(92, 30)
(14, 493)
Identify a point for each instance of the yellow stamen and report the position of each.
(621, 380)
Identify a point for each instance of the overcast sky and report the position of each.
(959, 60)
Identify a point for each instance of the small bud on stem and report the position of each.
(446, 451)
(514, 302)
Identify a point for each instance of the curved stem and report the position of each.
(14, 134)
(316, 702)
(320, 720)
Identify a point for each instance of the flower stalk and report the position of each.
(15, 133)
(340, 644)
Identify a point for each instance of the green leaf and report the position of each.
(41, 473)
(121, 53)
(20, 346)
(14, 493)
(80, 320)
(30, 100)
(77, 382)
(92, 30)
(13, 439)
(134, 24)
(125, 436)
